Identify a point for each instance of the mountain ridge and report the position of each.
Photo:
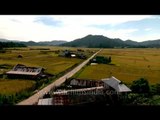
(91, 41)
(100, 41)
(32, 43)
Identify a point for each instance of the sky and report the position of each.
(70, 27)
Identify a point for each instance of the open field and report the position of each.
(129, 65)
(8, 87)
(36, 56)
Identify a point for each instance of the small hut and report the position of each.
(19, 56)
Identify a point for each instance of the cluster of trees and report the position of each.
(140, 86)
(143, 93)
(101, 59)
(13, 98)
(10, 44)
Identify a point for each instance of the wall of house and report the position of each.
(86, 83)
(13, 76)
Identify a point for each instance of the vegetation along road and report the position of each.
(34, 98)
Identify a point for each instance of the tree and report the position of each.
(155, 89)
(158, 88)
(140, 86)
(109, 59)
(11, 44)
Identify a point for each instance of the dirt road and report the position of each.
(34, 98)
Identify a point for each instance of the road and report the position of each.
(34, 98)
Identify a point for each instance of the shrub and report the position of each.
(140, 86)
(155, 89)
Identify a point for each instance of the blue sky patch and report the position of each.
(48, 21)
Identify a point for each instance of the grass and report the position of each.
(46, 59)
(35, 56)
(128, 65)
(8, 87)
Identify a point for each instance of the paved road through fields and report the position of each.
(34, 98)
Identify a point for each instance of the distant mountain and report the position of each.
(151, 43)
(3, 40)
(6, 40)
(100, 41)
(130, 42)
(32, 43)
(54, 42)
(5, 43)
(92, 41)
(44, 43)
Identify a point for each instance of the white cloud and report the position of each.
(153, 36)
(24, 27)
(124, 34)
(148, 29)
(98, 19)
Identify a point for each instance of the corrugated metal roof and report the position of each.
(113, 82)
(123, 88)
(116, 84)
(24, 70)
(22, 73)
(46, 101)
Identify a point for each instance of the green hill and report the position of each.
(100, 41)
(97, 41)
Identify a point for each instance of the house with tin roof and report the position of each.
(116, 85)
(25, 72)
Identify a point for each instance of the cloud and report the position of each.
(14, 20)
(64, 27)
(148, 29)
(98, 19)
(120, 33)
(48, 21)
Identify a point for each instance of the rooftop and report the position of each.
(116, 84)
(46, 101)
(24, 70)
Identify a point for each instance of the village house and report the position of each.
(101, 59)
(46, 101)
(72, 97)
(108, 83)
(72, 54)
(24, 72)
(115, 84)
(103, 89)
(67, 53)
